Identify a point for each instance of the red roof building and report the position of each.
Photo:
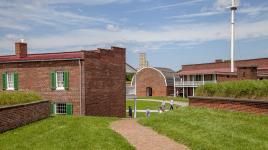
(78, 83)
(194, 75)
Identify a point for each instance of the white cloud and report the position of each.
(201, 14)
(179, 34)
(54, 2)
(220, 7)
(186, 33)
(166, 6)
(253, 10)
(6, 24)
(111, 27)
(23, 16)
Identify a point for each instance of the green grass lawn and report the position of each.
(11, 98)
(164, 98)
(209, 129)
(65, 132)
(143, 105)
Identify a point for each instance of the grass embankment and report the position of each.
(143, 105)
(209, 129)
(250, 89)
(11, 98)
(164, 98)
(65, 132)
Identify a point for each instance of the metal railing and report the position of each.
(191, 83)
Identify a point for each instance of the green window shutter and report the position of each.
(16, 80)
(4, 81)
(53, 80)
(66, 80)
(69, 108)
(52, 108)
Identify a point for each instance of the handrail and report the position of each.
(192, 83)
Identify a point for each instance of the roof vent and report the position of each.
(218, 61)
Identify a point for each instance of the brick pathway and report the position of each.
(144, 138)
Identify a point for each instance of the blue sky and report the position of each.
(171, 32)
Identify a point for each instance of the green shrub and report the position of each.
(129, 76)
(251, 89)
(10, 98)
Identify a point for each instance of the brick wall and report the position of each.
(225, 77)
(149, 77)
(251, 106)
(18, 115)
(105, 89)
(262, 62)
(170, 90)
(244, 73)
(36, 76)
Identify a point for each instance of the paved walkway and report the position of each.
(144, 138)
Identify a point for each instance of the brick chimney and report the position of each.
(21, 48)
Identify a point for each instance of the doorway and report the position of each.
(149, 91)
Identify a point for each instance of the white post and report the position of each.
(135, 106)
(194, 83)
(233, 9)
(183, 95)
(135, 98)
(135, 84)
(203, 79)
(174, 79)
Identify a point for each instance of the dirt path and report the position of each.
(144, 138)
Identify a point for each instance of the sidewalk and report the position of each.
(144, 138)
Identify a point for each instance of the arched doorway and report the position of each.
(149, 91)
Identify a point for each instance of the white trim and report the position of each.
(57, 87)
(55, 106)
(150, 68)
(7, 81)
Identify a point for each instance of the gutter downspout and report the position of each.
(80, 70)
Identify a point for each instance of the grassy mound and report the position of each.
(11, 98)
(208, 129)
(250, 89)
(65, 133)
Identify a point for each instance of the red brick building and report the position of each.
(79, 83)
(154, 81)
(191, 76)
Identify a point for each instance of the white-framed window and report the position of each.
(10, 81)
(60, 108)
(60, 80)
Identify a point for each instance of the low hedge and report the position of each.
(250, 89)
(11, 98)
